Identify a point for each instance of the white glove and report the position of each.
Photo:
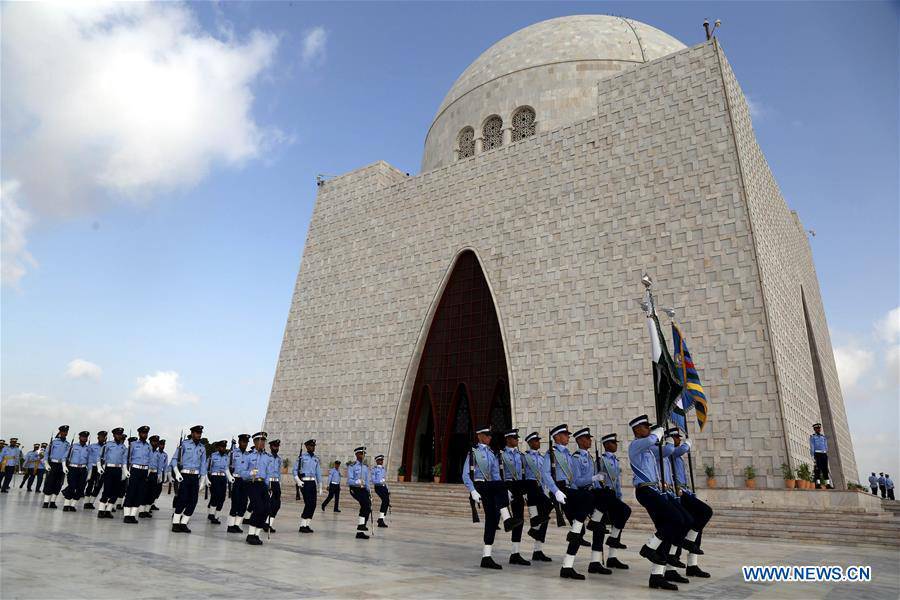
(204, 481)
(229, 476)
(47, 465)
(299, 481)
(100, 469)
(177, 474)
(475, 495)
(318, 490)
(65, 468)
(599, 477)
(560, 497)
(658, 432)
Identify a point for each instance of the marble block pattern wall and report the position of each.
(663, 179)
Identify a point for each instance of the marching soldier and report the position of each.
(237, 457)
(189, 470)
(274, 485)
(671, 551)
(379, 479)
(95, 481)
(481, 476)
(162, 472)
(587, 479)
(618, 512)
(699, 511)
(334, 486)
(30, 464)
(218, 481)
(308, 475)
(11, 457)
(358, 480)
(54, 461)
(111, 464)
(149, 494)
(666, 518)
(137, 468)
(818, 450)
(513, 474)
(77, 466)
(256, 472)
(539, 506)
(41, 469)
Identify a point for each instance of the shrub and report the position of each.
(803, 472)
(749, 472)
(710, 470)
(786, 471)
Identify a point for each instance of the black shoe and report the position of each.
(511, 523)
(68, 508)
(176, 527)
(271, 529)
(87, 505)
(381, 523)
(597, 567)
(615, 543)
(53, 505)
(516, 559)
(213, 521)
(323, 508)
(361, 536)
(245, 522)
(534, 533)
(539, 556)
(254, 540)
(143, 515)
(149, 515)
(5, 491)
(488, 563)
(265, 527)
(184, 528)
(652, 555)
(305, 529)
(673, 576)
(130, 519)
(210, 517)
(108, 515)
(102, 514)
(362, 528)
(615, 563)
(695, 571)
(154, 507)
(570, 573)
(658, 582)
(692, 547)
(595, 526)
(673, 561)
(235, 529)
(336, 510)
(45, 505)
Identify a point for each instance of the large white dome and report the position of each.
(551, 67)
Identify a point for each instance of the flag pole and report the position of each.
(651, 311)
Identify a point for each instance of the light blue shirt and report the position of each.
(139, 453)
(534, 465)
(308, 465)
(888, 483)
(334, 476)
(12, 456)
(378, 475)
(94, 453)
(643, 454)
(565, 467)
(873, 481)
(614, 470)
(80, 456)
(358, 475)
(31, 458)
(584, 469)
(487, 467)
(190, 455)
(817, 443)
(513, 469)
(275, 467)
(881, 480)
(58, 449)
(256, 466)
(162, 459)
(218, 463)
(114, 453)
(238, 458)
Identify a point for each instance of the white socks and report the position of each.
(569, 561)
(596, 556)
(611, 552)
(673, 550)
(533, 511)
(46, 499)
(596, 516)
(654, 542)
(691, 535)
(615, 532)
(658, 570)
(515, 548)
(381, 516)
(576, 526)
(538, 546)
(211, 512)
(504, 514)
(692, 559)
(185, 519)
(176, 519)
(253, 530)
(486, 551)
(361, 521)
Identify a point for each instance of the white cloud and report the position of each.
(83, 369)
(314, 41)
(852, 363)
(123, 100)
(888, 328)
(35, 417)
(15, 257)
(163, 387)
(757, 109)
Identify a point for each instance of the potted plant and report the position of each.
(401, 473)
(710, 476)
(788, 475)
(436, 472)
(750, 476)
(804, 477)
(285, 465)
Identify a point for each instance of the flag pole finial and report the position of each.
(647, 281)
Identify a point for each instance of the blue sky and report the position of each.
(162, 247)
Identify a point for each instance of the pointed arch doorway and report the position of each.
(462, 375)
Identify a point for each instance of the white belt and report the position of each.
(274, 478)
(142, 467)
(222, 473)
(307, 479)
(189, 471)
(153, 470)
(55, 461)
(821, 452)
(112, 465)
(77, 466)
(480, 480)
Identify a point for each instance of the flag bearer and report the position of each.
(189, 470)
(237, 457)
(334, 486)
(359, 482)
(138, 467)
(274, 485)
(217, 474)
(149, 493)
(256, 471)
(379, 479)
(513, 479)
(539, 505)
(77, 465)
(111, 463)
(818, 449)
(308, 476)
(619, 512)
(95, 480)
(699, 510)
(54, 462)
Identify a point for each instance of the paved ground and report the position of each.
(51, 554)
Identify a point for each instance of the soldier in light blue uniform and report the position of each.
(358, 480)
(77, 466)
(618, 513)
(889, 486)
(700, 512)
(481, 476)
(137, 468)
(818, 450)
(41, 469)
(274, 485)
(873, 483)
(237, 457)
(95, 480)
(881, 486)
(308, 476)
(379, 480)
(162, 472)
(539, 506)
(11, 457)
(149, 494)
(513, 471)
(30, 465)
(256, 471)
(643, 453)
(334, 486)
(111, 466)
(189, 470)
(672, 552)
(587, 478)
(218, 477)
(54, 461)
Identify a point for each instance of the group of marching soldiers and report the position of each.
(585, 490)
(130, 476)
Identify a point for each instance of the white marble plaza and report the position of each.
(51, 554)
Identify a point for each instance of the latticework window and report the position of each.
(522, 124)
(493, 133)
(466, 142)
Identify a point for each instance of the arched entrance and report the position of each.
(463, 368)
(423, 456)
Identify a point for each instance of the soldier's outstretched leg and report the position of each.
(217, 491)
(385, 496)
(238, 505)
(577, 509)
(669, 524)
(112, 477)
(701, 513)
(308, 490)
(258, 497)
(517, 510)
(274, 505)
(362, 495)
(539, 508)
(72, 493)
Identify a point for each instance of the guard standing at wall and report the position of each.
(358, 480)
(873, 484)
(889, 486)
(138, 467)
(78, 464)
(54, 462)
(379, 479)
(700, 511)
(30, 465)
(818, 449)
(11, 457)
(481, 476)
(308, 476)
(256, 471)
(274, 485)
(618, 512)
(149, 493)
(881, 486)
(513, 479)
(237, 458)
(334, 486)
(539, 506)
(218, 475)
(189, 469)
(95, 480)
(112, 460)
